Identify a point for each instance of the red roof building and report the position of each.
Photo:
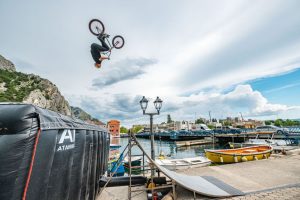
(113, 127)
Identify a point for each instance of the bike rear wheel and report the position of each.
(96, 27)
(118, 42)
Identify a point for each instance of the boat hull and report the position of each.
(231, 156)
(185, 163)
(136, 164)
(182, 167)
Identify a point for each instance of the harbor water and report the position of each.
(168, 148)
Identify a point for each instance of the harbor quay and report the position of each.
(222, 137)
(275, 178)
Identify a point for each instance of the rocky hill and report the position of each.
(6, 64)
(29, 88)
(81, 114)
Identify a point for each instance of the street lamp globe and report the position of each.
(144, 103)
(158, 104)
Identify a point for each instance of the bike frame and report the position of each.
(108, 53)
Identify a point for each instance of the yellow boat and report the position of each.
(239, 155)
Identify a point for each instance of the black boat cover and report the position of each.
(46, 155)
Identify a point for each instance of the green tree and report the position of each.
(296, 123)
(123, 129)
(199, 121)
(169, 120)
(278, 122)
(211, 126)
(137, 128)
(287, 122)
(227, 123)
(268, 122)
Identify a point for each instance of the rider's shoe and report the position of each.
(97, 65)
(103, 57)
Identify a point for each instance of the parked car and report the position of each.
(272, 129)
(227, 130)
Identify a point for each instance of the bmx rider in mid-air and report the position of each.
(96, 50)
(103, 51)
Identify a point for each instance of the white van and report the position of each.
(202, 127)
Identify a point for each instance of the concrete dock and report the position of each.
(277, 177)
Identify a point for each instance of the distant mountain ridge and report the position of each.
(81, 114)
(29, 88)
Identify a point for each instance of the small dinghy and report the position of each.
(239, 154)
(184, 163)
(136, 162)
(133, 159)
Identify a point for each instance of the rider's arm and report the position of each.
(102, 36)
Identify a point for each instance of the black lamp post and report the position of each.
(157, 104)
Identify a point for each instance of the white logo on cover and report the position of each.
(67, 134)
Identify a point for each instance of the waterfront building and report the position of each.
(250, 123)
(216, 125)
(237, 119)
(113, 127)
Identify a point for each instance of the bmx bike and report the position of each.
(97, 27)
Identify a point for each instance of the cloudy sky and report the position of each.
(197, 55)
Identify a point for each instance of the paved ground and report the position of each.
(120, 193)
(275, 178)
(255, 175)
(291, 192)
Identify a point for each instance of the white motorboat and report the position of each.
(271, 142)
(133, 159)
(184, 163)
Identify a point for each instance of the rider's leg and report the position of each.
(104, 45)
(95, 51)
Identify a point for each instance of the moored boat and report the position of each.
(184, 163)
(258, 142)
(239, 154)
(114, 146)
(114, 167)
(245, 144)
(135, 164)
(134, 159)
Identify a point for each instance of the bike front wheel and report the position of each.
(118, 42)
(96, 27)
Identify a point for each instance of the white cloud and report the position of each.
(243, 96)
(241, 99)
(122, 70)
